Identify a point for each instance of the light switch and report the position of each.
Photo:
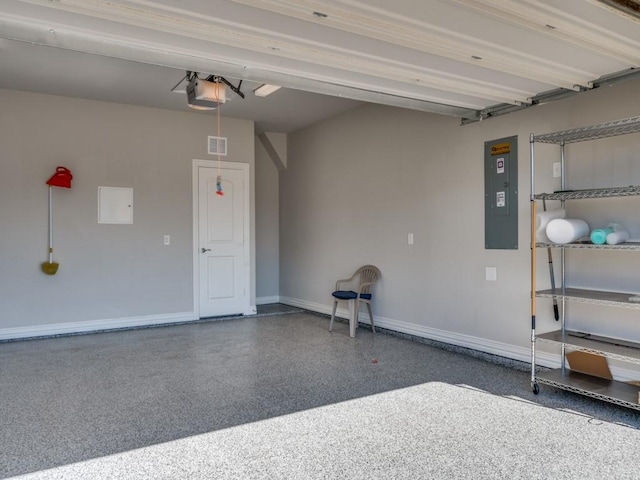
(167, 239)
(410, 239)
(557, 170)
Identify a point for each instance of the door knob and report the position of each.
(204, 250)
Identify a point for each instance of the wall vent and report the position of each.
(217, 145)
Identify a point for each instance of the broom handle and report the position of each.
(50, 228)
(556, 313)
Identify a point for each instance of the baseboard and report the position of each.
(506, 350)
(93, 325)
(314, 307)
(267, 300)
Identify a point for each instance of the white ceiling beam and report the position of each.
(538, 16)
(388, 26)
(38, 32)
(174, 21)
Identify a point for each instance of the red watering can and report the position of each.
(62, 178)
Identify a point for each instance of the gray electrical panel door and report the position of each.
(501, 194)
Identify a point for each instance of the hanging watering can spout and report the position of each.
(62, 178)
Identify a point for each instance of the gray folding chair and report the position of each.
(362, 280)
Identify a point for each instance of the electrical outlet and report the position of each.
(557, 170)
(167, 239)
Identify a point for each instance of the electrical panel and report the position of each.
(501, 194)
(115, 205)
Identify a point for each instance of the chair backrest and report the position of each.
(368, 274)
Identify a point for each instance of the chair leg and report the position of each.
(353, 317)
(373, 329)
(333, 314)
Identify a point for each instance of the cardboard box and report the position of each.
(589, 363)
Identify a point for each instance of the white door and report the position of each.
(223, 244)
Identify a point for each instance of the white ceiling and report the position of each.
(456, 57)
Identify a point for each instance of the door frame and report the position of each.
(244, 167)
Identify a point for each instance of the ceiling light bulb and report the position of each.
(266, 89)
(200, 107)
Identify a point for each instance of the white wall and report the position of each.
(106, 271)
(357, 184)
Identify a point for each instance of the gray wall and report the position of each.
(357, 184)
(106, 271)
(267, 227)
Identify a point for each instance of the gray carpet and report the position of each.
(280, 397)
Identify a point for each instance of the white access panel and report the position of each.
(115, 205)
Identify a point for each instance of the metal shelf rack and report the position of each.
(593, 297)
(598, 345)
(612, 391)
(630, 191)
(592, 132)
(592, 246)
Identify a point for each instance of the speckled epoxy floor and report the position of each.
(280, 397)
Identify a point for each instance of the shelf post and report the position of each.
(563, 186)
